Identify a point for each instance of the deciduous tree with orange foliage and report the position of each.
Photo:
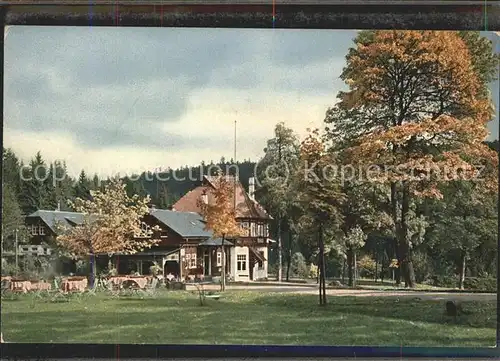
(220, 217)
(415, 114)
(112, 223)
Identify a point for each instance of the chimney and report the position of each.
(251, 188)
(204, 197)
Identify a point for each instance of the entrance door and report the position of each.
(241, 265)
(172, 267)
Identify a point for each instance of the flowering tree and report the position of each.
(112, 223)
(220, 217)
(415, 116)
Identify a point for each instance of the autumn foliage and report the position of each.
(111, 224)
(427, 116)
(414, 118)
(220, 217)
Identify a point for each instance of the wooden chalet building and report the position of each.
(247, 258)
(186, 247)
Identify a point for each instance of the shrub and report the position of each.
(445, 281)
(313, 271)
(366, 266)
(480, 284)
(299, 266)
(421, 266)
(8, 268)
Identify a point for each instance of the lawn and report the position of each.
(245, 317)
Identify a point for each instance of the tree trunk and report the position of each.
(343, 271)
(323, 263)
(223, 269)
(355, 267)
(280, 256)
(92, 270)
(407, 264)
(350, 276)
(394, 215)
(289, 256)
(322, 280)
(462, 269)
(376, 266)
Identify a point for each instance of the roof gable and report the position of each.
(245, 206)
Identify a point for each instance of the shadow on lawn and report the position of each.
(239, 318)
(481, 314)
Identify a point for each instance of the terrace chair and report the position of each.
(57, 295)
(150, 289)
(129, 287)
(110, 288)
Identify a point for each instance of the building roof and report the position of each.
(53, 218)
(215, 242)
(245, 206)
(186, 224)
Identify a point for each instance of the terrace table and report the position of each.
(141, 281)
(41, 286)
(20, 286)
(74, 284)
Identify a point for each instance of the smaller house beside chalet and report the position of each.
(186, 247)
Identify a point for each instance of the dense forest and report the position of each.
(22, 197)
(417, 107)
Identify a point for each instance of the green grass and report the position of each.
(245, 317)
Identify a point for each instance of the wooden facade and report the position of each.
(247, 260)
(186, 249)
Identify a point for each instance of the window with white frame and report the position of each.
(253, 230)
(261, 230)
(34, 229)
(246, 226)
(191, 260)
(219, 259)
(41, 230)
(241, 264)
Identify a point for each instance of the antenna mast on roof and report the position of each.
(235, 172)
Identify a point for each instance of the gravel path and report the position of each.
(370, 293)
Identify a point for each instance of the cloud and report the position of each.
(121, 98)
(109, 88)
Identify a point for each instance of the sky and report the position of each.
(125, 100)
